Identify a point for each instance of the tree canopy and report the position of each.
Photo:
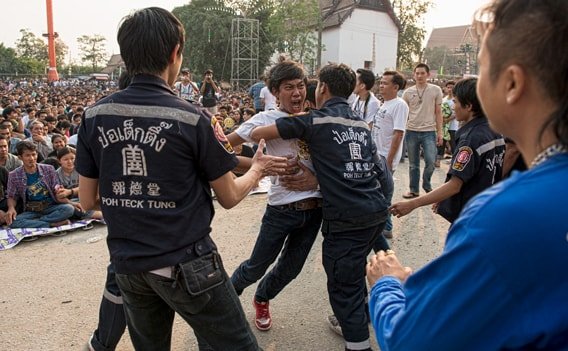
(410, 13)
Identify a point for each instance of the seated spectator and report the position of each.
(64, 127)
(6, 132)
(43, 147)
(58, 142)
(248, 113)
(3, 200)
(36, 184)
(69, 181)
(7, 160)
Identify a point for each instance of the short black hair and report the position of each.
(124, 80)
(147, 38)
(23, 146)
(366, 77)
(7, 111)
(422, 65)
(282, 71)
(465, 92)
(311, 90)
(65, 151)
(339, 78)
(397, 79)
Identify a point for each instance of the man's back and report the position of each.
(342, 151)
(153, 157)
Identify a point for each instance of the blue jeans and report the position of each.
(216, 316)
(294, 230)
(344, 259)
(112, 319)
(426, 140)
(52, 214)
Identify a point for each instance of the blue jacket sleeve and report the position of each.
(453, 303)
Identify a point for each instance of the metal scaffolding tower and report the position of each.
(244, 50)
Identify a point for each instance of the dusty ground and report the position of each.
(51, 288)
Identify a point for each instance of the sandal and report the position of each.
(410, 195)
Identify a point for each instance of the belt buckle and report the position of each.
(300, 205)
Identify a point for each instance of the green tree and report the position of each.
(31, 47)
(61, 50)
(8, 60)
(410, 14)
(207, 27)
(208, 33)
(294, 25)
(92, 48)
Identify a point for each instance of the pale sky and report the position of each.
(73, 18)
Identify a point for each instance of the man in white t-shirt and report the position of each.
(292, 219)
(267, 99)
(185, 88)
(366, 104)
(454, 124)
(389, 125)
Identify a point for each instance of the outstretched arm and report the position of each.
(267, 132)
(446, 190)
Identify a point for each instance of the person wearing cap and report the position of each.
(185, 88)
(209, 91)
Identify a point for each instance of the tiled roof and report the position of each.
(335, 12)
(452, 37)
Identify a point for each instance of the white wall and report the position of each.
(352, 42)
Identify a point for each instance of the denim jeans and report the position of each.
(216, 316)
(112, 319)
(344, 259)
(294, 230)
(426, 140)
(52, 214)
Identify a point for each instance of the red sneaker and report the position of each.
(262, 321)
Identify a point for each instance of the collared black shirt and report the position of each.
(477, 161)
(154, 155)
(342, 150)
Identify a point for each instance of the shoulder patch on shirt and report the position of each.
(462, 158)
(220, 135)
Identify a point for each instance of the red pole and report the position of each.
(52, 72)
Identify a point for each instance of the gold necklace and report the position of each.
(421, 95)
(549, 152)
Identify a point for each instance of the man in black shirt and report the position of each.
(477, 162)
(209, 91)
(152, 159)
(354, 206)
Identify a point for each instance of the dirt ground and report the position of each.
(51, 288)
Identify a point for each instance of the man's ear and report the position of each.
(515, 83)
(176, 52)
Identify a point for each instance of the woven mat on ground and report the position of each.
(11, 237)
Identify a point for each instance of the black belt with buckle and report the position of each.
(36, 206)
(301, 205)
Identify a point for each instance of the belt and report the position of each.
(301, 205)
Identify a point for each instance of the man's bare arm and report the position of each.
(395, 144)
(88, 193)
(267, 132)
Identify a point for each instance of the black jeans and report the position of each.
(112, 320)
(216, 315)
(344, 259)
(294, 230)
